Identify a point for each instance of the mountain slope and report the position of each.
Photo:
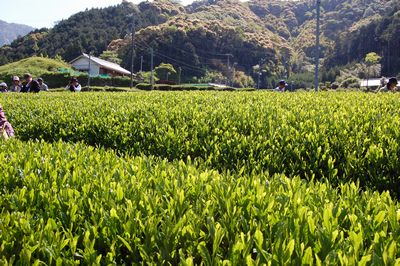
(11, 31)
(218, 36)
(213, 35)
(380, 34)
(86, 31)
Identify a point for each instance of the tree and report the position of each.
(241, 80)
(166, 72)
(35, 48)
(372, 59)
(111, 56)
(213, 77)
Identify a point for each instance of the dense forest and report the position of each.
(87, 31)
(228, 39)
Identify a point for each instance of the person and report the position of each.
(3, 87)
(16, 85)
(42, 85)
(30, 85)
(73, 85)
(6, 129)
(390, 86)
(281, 86)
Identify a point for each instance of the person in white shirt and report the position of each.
(73, 85)
(43, 86)
(281, 86)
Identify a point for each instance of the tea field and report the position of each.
(201, 178)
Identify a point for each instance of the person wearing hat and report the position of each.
(281, 86)
(3, 87)
(30, 85)
(6, 130)
(73, 85)
(390, 86)
(16, 85)
(42, 85)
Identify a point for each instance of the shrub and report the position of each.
(163, 87)
(350, 82)
(143, 86)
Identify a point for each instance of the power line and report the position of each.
(197, 50)
(180, 63)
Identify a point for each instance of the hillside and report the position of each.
(90, 30)
(376, 33)
(33, 65)
(204, 39)
(11, 31)
(200, 38)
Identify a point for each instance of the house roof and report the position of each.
(104, 64)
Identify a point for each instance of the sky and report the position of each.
(44, 13)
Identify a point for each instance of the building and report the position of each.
(371, 83)
(98, 66)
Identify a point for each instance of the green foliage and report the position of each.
(200, 177)
(372, 58)
(241, 80)
(213, 77)
(376, 33)
(146, 77)
(196, 38)
(56, 80)
(183, 87)
(111, 56)
(88, 31)
(350, 82)
(69, 204)
(227, 132)
(301, 80)
(166, 72)
(37, 66)
(143, 86)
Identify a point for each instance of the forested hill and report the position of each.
(90, 30)
(379, 33)
(11, 31)
(206, 34)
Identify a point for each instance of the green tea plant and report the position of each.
(336, 136)
(68, 204)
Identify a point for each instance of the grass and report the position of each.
(34, 65)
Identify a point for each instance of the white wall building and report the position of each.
(98, 66)
(373, 82)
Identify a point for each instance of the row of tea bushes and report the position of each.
(68, 204)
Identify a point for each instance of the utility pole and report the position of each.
(90, 59)
(152, 71)
(132, 48)
(388, 56)
(316, 80)
(141, 63)
(179, 75)
(259, 74)
(228, 66)
(233, 73)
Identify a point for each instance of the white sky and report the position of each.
(43, 13)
